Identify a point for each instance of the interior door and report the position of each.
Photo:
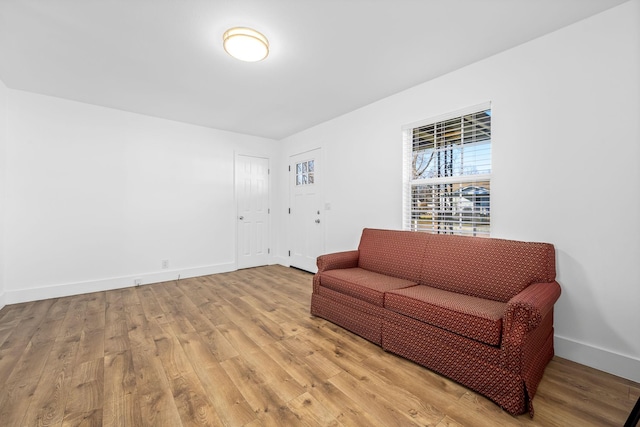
(306, 212)
(252, 195)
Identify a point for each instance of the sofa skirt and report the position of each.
(356, 316)
(466, 361)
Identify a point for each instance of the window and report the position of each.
(447, 174)
(305, 173)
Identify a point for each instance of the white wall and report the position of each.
(97, 197)
(565, 170)
(3, 143)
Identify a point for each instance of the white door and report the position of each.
(252, 195)
(306, 211)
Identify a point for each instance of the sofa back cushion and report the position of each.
(496, 269)
(393, 252)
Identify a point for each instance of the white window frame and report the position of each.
(475, 224)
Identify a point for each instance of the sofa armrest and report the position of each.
(337, 260)
(527, 325)
(526, 310)
(334, 261)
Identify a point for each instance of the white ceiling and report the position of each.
(164, 58)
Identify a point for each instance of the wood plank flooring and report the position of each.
(241, 349)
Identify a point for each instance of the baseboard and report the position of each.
(281, 260)
(604, 360)
(64, 290)
(2, 300)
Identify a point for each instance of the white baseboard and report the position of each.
(604, 360)
(64, 290)
(2, 300)
(281, 260)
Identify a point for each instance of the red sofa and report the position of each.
(477, 310)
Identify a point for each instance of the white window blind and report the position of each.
(447, 174)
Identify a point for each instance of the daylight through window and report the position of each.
(447, 169)
(305, 173)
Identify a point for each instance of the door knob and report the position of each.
(241, 218)
(317, 221)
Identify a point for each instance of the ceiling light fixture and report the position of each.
(245, 44)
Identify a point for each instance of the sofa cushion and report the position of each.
(472, 317)
(496, 269)
(363, 284)
(393, 252)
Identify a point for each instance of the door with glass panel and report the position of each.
(306, 236)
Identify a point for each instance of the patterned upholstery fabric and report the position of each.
(490, 354)
(393, 253)
(473, 364)
(360, 322)
(487, 268)
(352, 303)
(334, 261)
(363, 284)
(537, 352)
(476, 318)
(527, 309)
(348, 259)
(484, 318)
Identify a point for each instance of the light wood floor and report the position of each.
(240, 349)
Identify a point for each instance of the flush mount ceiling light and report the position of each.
(245, 44)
